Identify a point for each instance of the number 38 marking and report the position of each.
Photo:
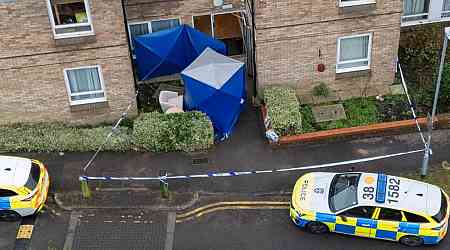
(368, 193)
(393, 190)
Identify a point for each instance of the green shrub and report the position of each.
(307, 119)
(321, 90)
(284, 110)
(60, 138)
(159, 132)
(361, 111)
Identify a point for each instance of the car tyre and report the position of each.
(317, 228)
(9, 215)
(411, 241)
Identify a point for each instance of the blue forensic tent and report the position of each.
(170, 51)
(215, 85)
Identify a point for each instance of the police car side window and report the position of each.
(415, 218)
(7, 193)
(390, 214)
(360, 212)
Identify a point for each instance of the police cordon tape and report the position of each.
(241, 173)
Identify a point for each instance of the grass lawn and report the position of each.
(360, 111)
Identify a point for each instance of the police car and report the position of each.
(371, 205)
(23, 187)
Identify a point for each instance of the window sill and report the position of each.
(357, 3)
(353, 74)
(357, 8)
(87, 101)
(424, 21)
(73, 35)
(90, 107)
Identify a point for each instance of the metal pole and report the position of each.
(436, 96)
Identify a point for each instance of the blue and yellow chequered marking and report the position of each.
(368, 227)
(5, 203)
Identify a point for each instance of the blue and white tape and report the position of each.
(241, 173)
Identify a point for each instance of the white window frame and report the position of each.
(149, 24)
(72, 34)
(360, 68)
(355, 2)
(86, 101)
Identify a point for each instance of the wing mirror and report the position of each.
(343, 218)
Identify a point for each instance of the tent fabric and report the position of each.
(170, 51)
(215, 85)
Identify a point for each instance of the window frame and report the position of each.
(85, 101)
(404, 213)
(342, 213)
(359, 68)
(149, 25)
(71, 34)
(402, 216)
(355, 2)
(418, 21)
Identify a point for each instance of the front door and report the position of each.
(356, 221)
(388, 223)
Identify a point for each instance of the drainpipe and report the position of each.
(255, 74)
(130, 54)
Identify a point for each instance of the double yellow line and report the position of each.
(229, 205)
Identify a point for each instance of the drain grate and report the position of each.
(200, 161)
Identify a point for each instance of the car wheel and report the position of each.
(8, 215)
(317, 227)
(411, 241)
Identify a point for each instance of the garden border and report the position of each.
(441, 121)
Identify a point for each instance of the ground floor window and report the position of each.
(226, 27)
(415, 10)
(353, 53)
(70, 17)
(446, 8)
(147, 27)
(85, 85)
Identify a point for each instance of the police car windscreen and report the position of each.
(343, 191)
(33, 178)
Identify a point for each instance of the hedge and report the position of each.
(57, 137)
(283, 110)
(190, 131)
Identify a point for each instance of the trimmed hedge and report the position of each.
(283, 110)
(187, 132)
(60, 138)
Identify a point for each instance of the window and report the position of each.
(414, 10)
(345, 3)
(415, 218)
(143, 28)
(33, 178)
(353, 53)
(390, 214)
(445, 8)
(70, 18)
(226, 27)
(343, 191)
(359, 212)
(7, 193)
(85, 85)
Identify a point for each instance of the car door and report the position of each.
(356, 221)
(5, 202)
(388, 222)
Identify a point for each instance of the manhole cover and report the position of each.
(328, 113)
(199, 161)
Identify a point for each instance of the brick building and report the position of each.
(64, 60)
(68, 60)
(351, 46)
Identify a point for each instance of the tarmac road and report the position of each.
(268, 230)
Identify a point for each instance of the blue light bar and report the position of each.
(380, 196)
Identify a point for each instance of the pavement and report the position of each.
(236, 227)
